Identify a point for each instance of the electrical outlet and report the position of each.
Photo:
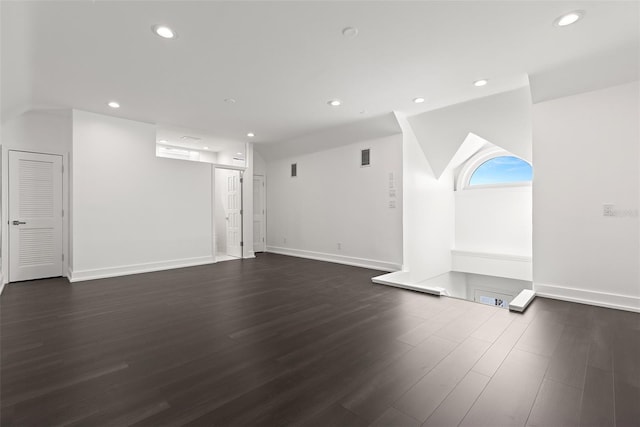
(608, 210)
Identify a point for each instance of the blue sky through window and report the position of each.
(502, 170)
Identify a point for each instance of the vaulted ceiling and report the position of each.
(283, 61)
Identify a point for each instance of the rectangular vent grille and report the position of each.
(365, 157)
(294, 169)
(36, 189)
(36, 247)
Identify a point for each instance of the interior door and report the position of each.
(234, 218)
(259, 223)
(35, 216)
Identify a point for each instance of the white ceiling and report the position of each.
(282, 61)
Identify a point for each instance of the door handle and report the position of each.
(18, 222)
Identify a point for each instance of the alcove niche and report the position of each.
(468, 202)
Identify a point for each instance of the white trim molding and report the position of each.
(403, 280)
(339, 259)
(102, 273)
(584, 296)
(522, 300)
(1, 283)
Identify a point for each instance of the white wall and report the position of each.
(40, 131)
(133, 211)
(586, 155)
(494, 220)
(428, 221)
(259, 164)
(247, 203)
(334, 200)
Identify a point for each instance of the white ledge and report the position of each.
(522, 300)
(492, 255)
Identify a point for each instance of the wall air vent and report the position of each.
(187, 138)
(365, 157)
(294, 169)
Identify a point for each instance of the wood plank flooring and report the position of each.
(279, 341)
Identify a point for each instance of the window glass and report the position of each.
(502, 170)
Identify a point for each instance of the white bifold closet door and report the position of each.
(35, 216)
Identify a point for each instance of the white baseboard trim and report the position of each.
(583, 296)
(103, 273)
(339, 259)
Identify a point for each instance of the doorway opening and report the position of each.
(228, 214)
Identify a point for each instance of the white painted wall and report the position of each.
(133, 211)
(40, 131)
(586, 154)
(247, 203)
(504, 119)
(428, 211)
(494, 220)
(259, 164)
(334, 200)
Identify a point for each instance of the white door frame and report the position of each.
(4, 212)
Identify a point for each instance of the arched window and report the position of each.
(494, 167)
(501, 170)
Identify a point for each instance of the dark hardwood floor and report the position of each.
(287, 341)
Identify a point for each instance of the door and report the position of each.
(35, 216)
(259, 223)
(234, 217)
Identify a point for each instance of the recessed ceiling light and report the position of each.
(113, 104)
(239, 154)
(251, 134)
(230, 100)
(569, 18)
(418, 100)
(335, 102)
(479, 83)
(162, 141)
(350, 32)
(206, 148)
(164, 31)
